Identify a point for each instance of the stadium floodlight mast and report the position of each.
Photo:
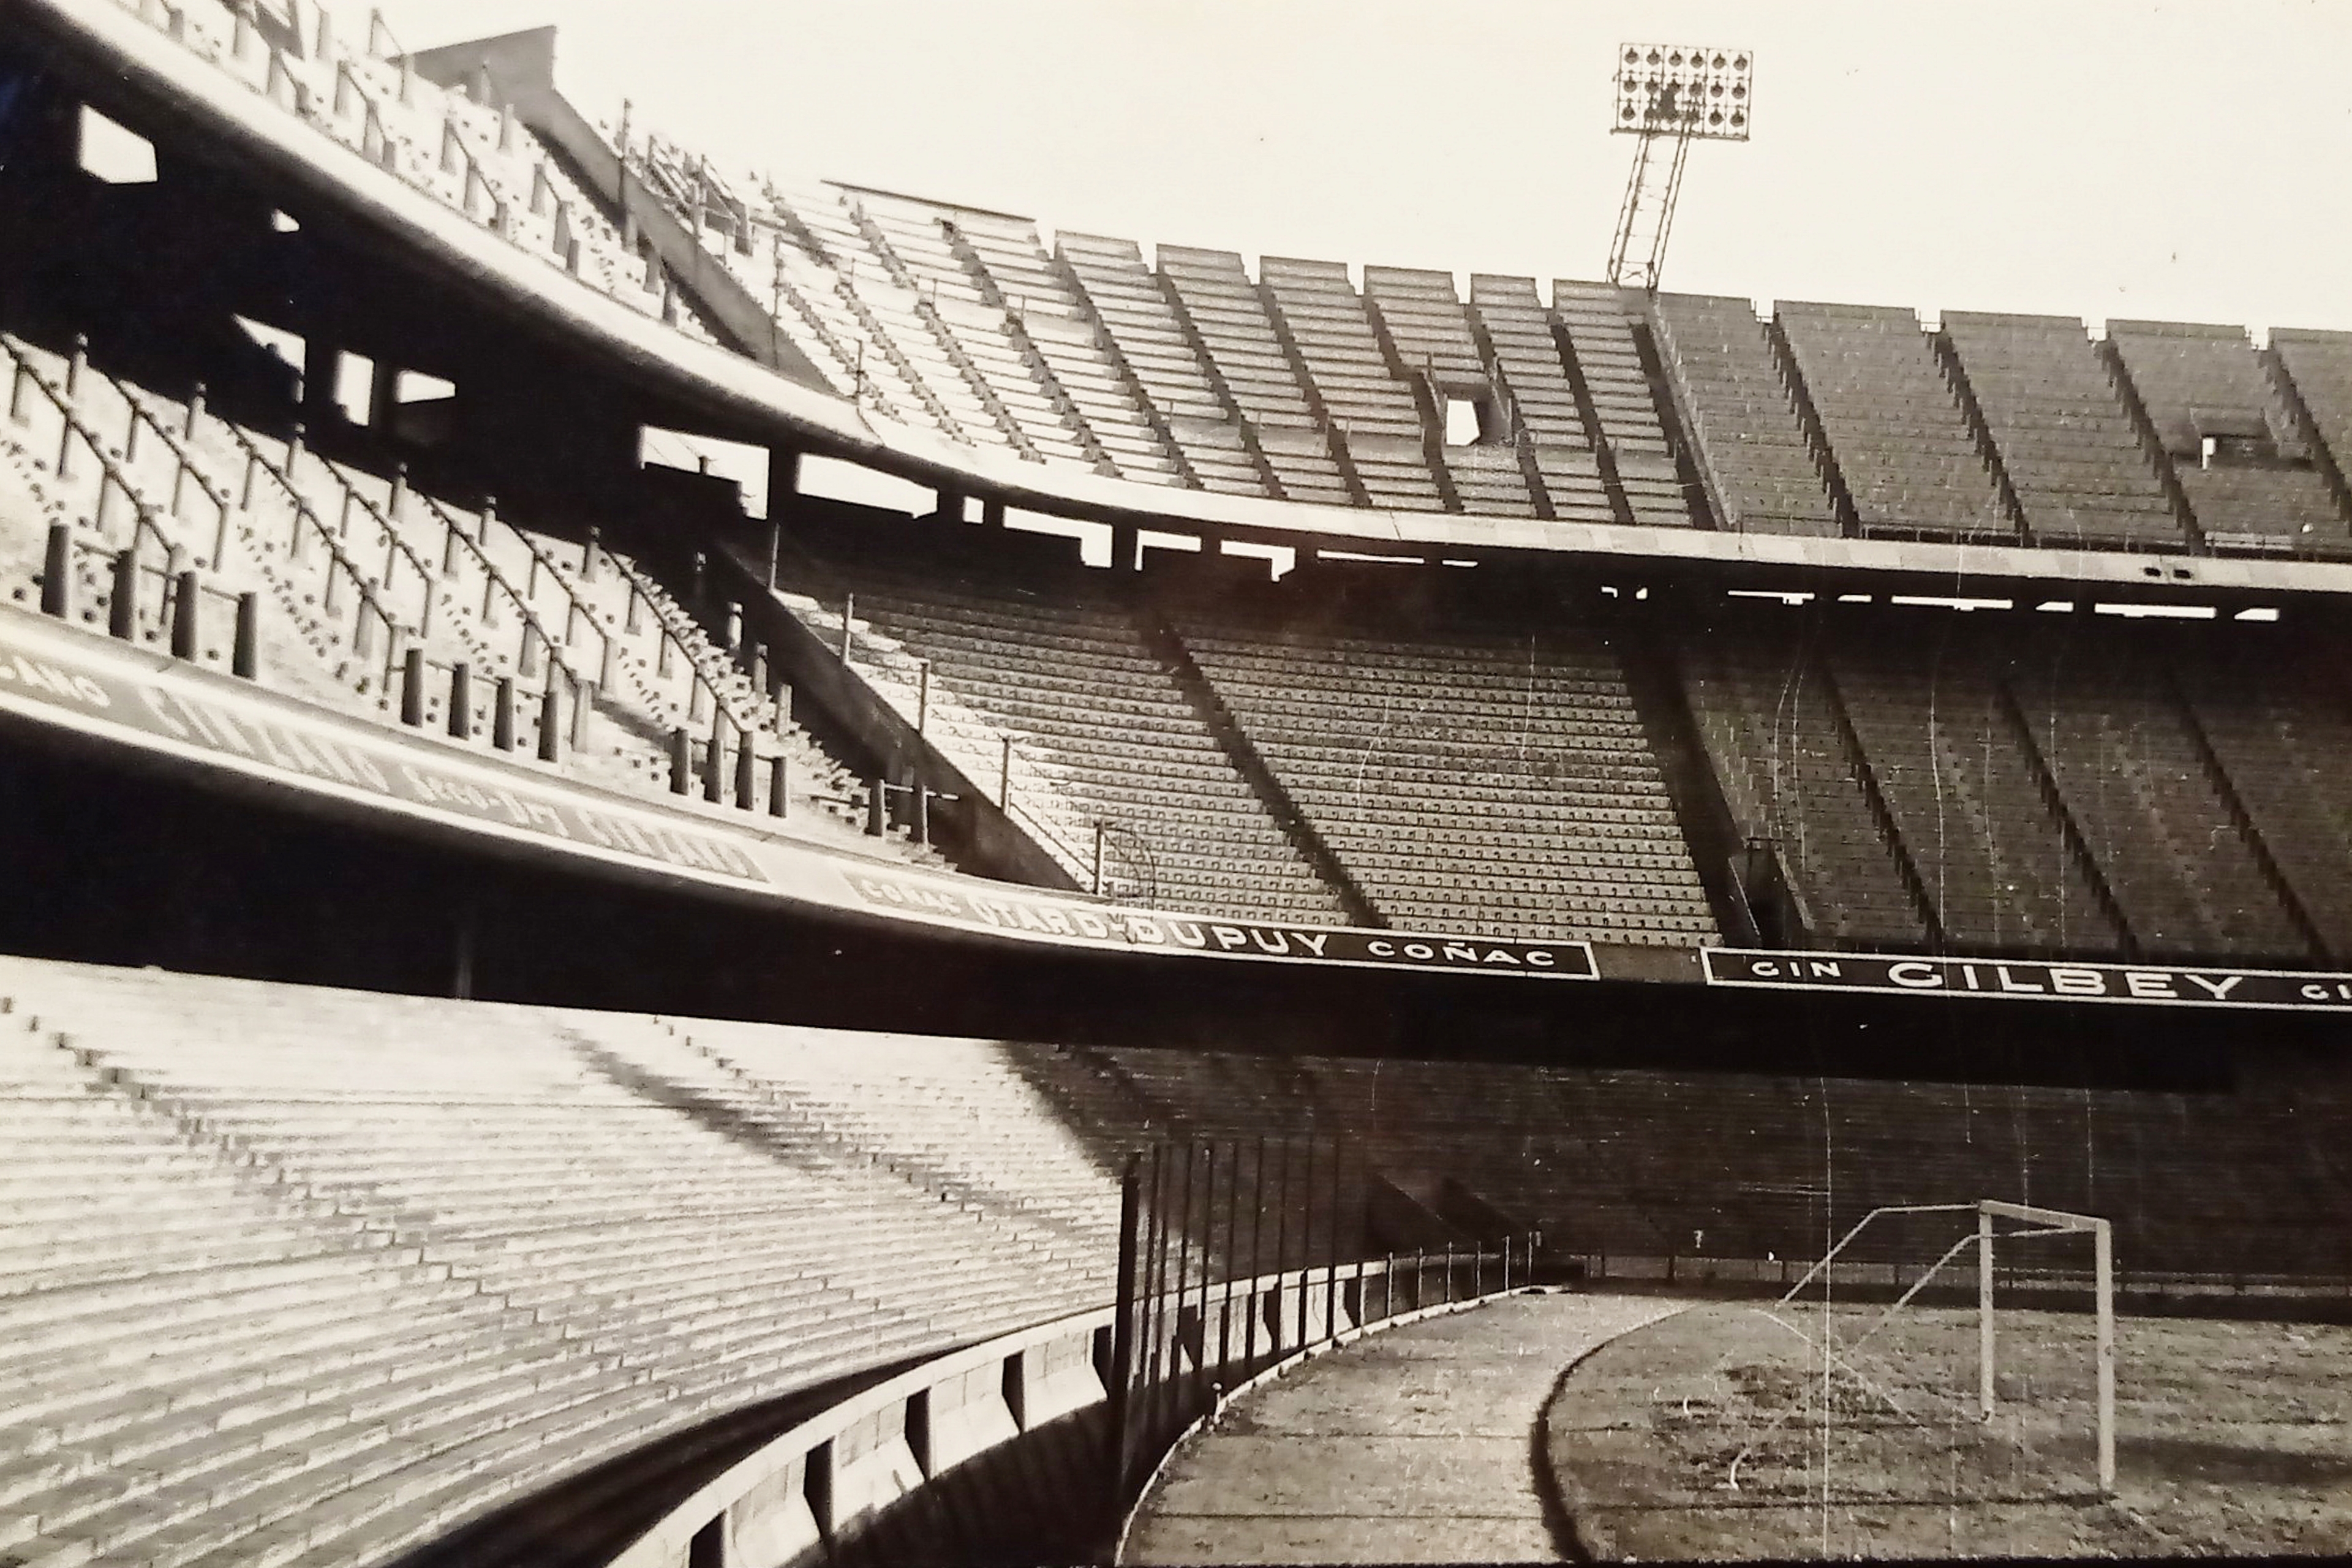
(1677, 94)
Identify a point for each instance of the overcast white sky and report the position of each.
(2180, 160)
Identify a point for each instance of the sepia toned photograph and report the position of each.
(1218, 782)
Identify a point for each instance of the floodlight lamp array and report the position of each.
(1677, 90)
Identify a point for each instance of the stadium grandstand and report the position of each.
(641, 799)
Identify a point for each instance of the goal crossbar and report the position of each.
(2046, 1222)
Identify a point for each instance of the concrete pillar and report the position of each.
(412, 688)
(461, 700)
(123, 613)
(57, 573)
(245, 661)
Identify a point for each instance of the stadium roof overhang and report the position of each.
(134, 68)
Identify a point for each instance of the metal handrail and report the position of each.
(647, 591)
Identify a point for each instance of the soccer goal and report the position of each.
(2029, 1222)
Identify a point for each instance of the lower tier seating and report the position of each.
(306, 1276)
(302, 1276)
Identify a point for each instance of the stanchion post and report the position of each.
(681, 761)
(1306, 1240)
(583, 704)
(461, 700)
(245, 656)
(1984, 1316)
(1122, 1332)
(2103, 1267)
(122, 610)
(412, 688)
(186, 593)
(57, 573)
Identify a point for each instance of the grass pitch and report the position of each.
(1727, 1432)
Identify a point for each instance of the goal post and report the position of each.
(2041, 1222)
(2051, 1222)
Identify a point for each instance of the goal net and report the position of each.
(1885, 1389)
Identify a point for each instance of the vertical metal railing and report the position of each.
(1238, 1253)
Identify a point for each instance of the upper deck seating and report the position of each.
(1893, 423)
(1100, 732)
(1764, 474)
(1378, 419)
(1071, 340)
(2318, 366)
(311, 1276)
(1954, 770)
(1136, 315)
(1471, 783)
(2245, 468)
(1219, 302)
(1431, 333)
(913, 241)
(1513, 323)
(1773, 729)
(468, 155)
(888, 313)
(1593, 317)
(2063, 435)
(807, 284)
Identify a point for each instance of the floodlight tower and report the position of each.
(1670, 93)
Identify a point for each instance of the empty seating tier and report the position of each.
(1098, 730)
(1518, 332)
(954, 321)
(302, 1276)
(1760, 467)
(2137, 779)
(1430, 335)
(2278, 723)
(914, 243)
(1497, 784)
(2319, 368)
(1150, 338)
(1943, 743)
(2063, 435)
(1223, 311)
(1374, 414)
(1893, 423)
(1592, 315)
(355, 572)
(1053, 316)
(2244, 466)
(1776, 734)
